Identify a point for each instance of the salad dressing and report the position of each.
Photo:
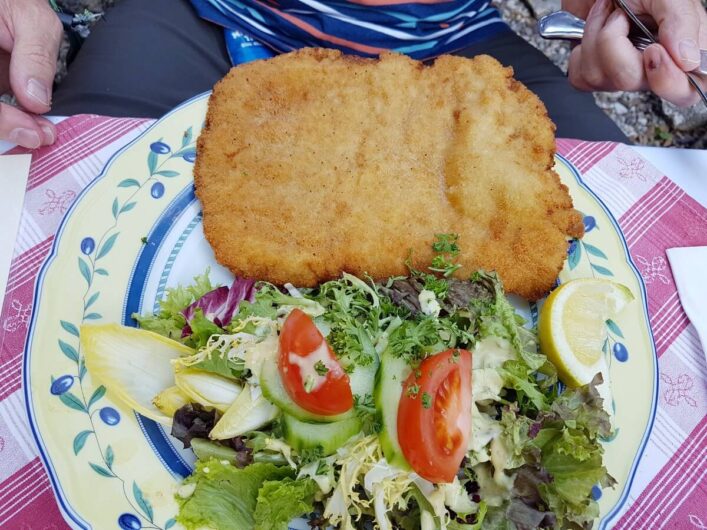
(310, 367)
(267, 459)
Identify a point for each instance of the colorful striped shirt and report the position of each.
(422, 29)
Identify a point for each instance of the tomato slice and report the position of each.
(434, 415)
(310, 371)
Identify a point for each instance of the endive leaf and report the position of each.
(209, 390)
(170, 400)
(133, 364)
(249, 412)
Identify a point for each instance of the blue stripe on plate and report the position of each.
(70, 515)
(152, 430)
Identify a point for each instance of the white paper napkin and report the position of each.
(14, 170)
(689, 266)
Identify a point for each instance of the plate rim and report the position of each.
(73, 518)
(70, 515)
(609, 517)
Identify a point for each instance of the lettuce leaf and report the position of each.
(584, 407)
(224, 496)
(517, 375)
(497, 317)
(270, 295)
(169, 320)
(262, 307)
(167, 325)
(281, 501)
(178, 298)
(193, 421)
(561, 459)
(200, 330)
(218, 362)
(497, 519)
(220, 305)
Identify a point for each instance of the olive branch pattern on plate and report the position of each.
(76, 424)
(594, 262)
(581, 250)
(92, 265)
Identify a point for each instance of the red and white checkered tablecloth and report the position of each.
(669, 490)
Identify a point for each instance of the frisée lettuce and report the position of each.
(169, 320)
(533, 452)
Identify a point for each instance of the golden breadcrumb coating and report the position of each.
(314, 162)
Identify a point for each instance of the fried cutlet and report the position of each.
(314, 162)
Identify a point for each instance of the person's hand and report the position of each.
(606, 60)
(30, 34)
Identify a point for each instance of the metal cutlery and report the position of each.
(565, 26)
(562, 25)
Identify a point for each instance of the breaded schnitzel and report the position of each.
(313, 163)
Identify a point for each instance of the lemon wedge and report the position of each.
(572, 327)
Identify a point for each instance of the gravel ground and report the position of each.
(643, 117)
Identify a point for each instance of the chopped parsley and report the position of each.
(426, 400)
(444, 264)
(447, 244)
(448, 250)
(439, 286)
(366, 412)
(322, 468)
(321, 368)
(412, 391)
(307, 456)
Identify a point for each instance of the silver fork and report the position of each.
(562, 25)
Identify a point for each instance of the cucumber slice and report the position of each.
(273, 389)
(362, 379)
(204, 449)
(329, 436)
(392, 373)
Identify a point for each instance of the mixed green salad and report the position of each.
(421, 402)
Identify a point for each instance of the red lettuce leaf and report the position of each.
(221, 304)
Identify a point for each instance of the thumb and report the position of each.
(37, 35)
(678, 30)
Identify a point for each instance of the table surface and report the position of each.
(686, 167)
(655, 213)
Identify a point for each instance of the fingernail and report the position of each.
(25, 138)
(37, 90)
(654, 62)
(689, 51)
(49, 134)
